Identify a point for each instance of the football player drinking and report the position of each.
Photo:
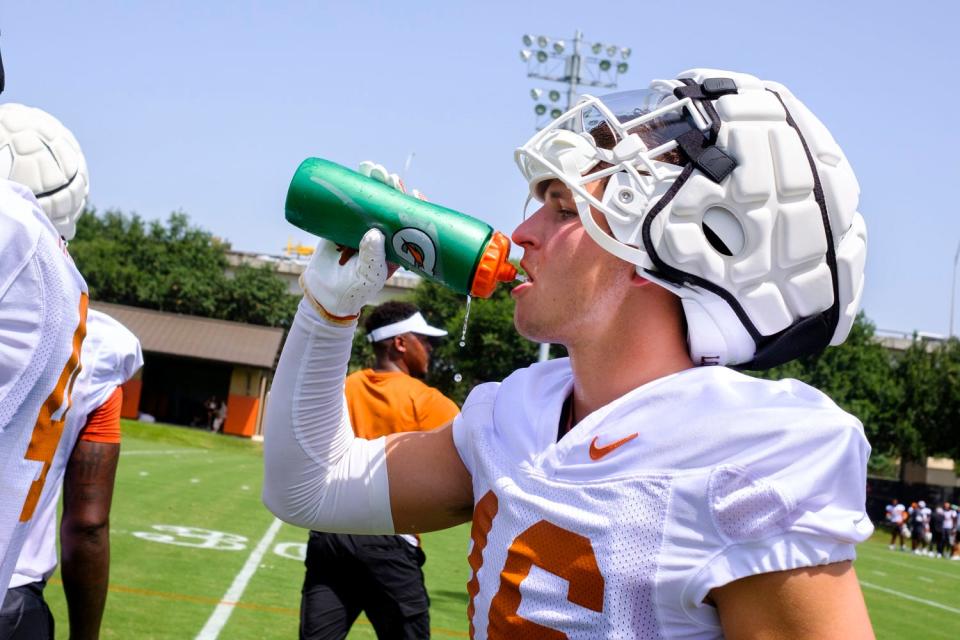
(641, 488)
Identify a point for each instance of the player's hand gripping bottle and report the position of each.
(441, 244)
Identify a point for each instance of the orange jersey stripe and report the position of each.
(47, 431)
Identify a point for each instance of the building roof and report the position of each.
(196, 337)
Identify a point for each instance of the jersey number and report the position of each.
(563, 553)
(47, 431)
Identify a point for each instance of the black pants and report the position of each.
(25, 615)
(379, 575)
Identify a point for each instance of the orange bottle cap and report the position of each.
(493, 267)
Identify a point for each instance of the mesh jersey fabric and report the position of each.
(42, 325)
(111, 355)
(385, 402)
(621, 528)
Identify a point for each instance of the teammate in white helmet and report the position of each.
(630, 490)
(73, 435)
(43, 309)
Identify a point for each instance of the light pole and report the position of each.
(576, 63)
(550, 59)
(953, 288)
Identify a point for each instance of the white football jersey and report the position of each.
(622, 528)
(43, 305)
(111, 355)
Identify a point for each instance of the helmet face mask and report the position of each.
(612, 138)
(727, 191)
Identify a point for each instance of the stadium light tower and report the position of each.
(953, 289)
(556, 60)
(577, 63)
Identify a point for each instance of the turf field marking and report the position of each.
(925, 579)
(880, 573)
(910, 565)
(906, 596)
(160, 452)
(218, 619)
(283, 611)
(292, 550)
(193, 537)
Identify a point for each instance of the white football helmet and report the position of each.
(40, 153)
(729, 192)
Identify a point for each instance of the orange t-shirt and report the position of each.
(103, 423)
(381, 403)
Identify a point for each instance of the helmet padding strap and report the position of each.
(712, 161)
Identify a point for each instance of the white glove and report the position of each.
(338, 291)
(379, 172)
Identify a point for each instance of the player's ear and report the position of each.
(400, 344)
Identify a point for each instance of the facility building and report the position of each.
(189, 361)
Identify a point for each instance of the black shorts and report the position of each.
(379, 575)
(25, 615)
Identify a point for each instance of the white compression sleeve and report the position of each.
(317, 474)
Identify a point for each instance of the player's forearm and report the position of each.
(316, 473)
(85, 570)
(85, 533)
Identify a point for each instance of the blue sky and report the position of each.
(208, 107)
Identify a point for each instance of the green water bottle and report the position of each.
(443, 245)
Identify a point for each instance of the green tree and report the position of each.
(920, 409)
(173, 266)
(930, 373)
(258, 296)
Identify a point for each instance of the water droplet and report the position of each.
(466, 317)
(521, 277)
(457, 377)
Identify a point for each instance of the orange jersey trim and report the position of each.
(103, 424)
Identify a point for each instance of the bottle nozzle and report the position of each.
(493, 267)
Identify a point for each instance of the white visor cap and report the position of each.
(413, 324)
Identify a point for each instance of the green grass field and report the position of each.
(187, 521)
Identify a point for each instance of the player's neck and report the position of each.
(386, 365)
(610, 366)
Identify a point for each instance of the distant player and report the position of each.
(897, 519)
(630, 490)
(919, 515)
(379, 575)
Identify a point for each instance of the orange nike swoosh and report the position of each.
(598, 452)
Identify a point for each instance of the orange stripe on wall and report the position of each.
(131, 398)
(241, 415)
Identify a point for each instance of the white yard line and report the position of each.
(218, 619)
(890, 557)
(160, 452)
(906, 596)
